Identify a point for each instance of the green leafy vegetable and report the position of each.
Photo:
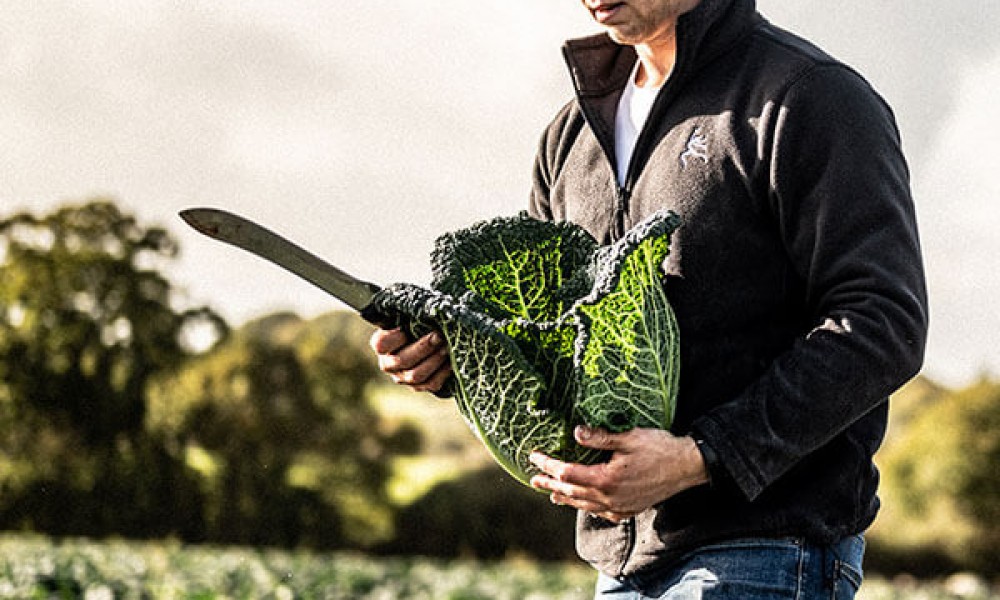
(547, 330)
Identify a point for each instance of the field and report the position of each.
(37, 568)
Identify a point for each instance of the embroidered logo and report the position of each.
(697, 147)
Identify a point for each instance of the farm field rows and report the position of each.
(36, 567)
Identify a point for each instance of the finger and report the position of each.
(584, 476)
(578, 504)
(577, 496)
(601, 439)
(437, 380)
(424, 370)
(410, 356)
(594, 508)
(387, 341)
(550, 466)
(583, 504)
(565, 494)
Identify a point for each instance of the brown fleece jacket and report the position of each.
(796, 276)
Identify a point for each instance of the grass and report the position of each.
(34, 567)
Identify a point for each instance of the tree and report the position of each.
(110, 423)
(941, 482)
(276, 422)
(86, 321)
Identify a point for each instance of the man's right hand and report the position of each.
(422, 365)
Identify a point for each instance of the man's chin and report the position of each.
(621, 35)
(622, 39)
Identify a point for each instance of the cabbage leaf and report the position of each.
(547, 330)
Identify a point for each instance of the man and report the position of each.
(797, 282)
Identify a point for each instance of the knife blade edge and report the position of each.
(247, 235)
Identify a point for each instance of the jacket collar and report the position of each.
(599, 66)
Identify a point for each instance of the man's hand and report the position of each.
(422, 365)
(647, 466)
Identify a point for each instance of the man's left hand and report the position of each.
(647, 466)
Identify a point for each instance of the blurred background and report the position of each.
(159, 385)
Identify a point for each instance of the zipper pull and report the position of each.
(618, 228)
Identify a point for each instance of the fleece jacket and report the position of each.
(796, 275)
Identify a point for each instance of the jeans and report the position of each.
(750, 569)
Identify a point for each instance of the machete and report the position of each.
(247, 235)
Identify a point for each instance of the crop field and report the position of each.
(34, 567)
(37, 568)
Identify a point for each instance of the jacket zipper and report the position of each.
(623, 196)
(643, 146)
(640, 154)
(630, 529)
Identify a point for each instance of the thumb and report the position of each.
(594, 437)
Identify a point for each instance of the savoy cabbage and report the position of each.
(547, 330)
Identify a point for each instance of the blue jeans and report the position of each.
(750, 569)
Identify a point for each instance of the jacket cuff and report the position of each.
(723, 462)
(717, 477)
(711, 460)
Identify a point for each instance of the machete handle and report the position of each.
(389, 318)
(414, 330)
(392, 319)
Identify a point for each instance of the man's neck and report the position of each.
(658, 54)
(656, 63)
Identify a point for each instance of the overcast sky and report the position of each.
(364, 132)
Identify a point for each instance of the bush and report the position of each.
(941, 486)
(485, 514)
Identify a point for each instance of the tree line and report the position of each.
(116, 420)
(122, 413)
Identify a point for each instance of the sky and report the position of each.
(365, 132)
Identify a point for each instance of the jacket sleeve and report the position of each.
(539, 205)
(839, 194)
(555, 141)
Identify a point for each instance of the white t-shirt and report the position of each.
(633, 109)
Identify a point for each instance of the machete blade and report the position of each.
(247, 235)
